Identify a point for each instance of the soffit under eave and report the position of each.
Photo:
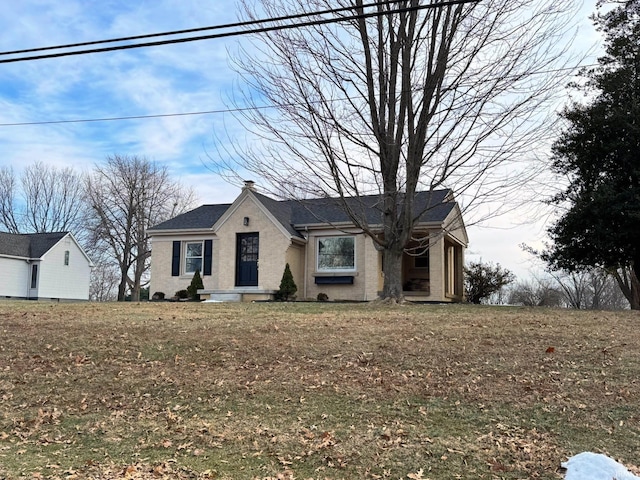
(325, 226)
(180, 232)
(17, 257)
(377, 228)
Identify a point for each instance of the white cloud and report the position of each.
(178, 78)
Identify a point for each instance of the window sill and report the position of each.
(337, 273)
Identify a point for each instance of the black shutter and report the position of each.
(208, 253)
(175, 259)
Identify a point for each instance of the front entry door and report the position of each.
(247, 260)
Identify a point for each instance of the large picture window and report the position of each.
(193, 257)
(336, 254)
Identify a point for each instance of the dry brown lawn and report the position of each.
(312, 391)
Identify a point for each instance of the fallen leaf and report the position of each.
(417, 475)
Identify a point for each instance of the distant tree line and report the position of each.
(590, 289)
(108, 210)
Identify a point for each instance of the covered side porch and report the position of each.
(433, 268)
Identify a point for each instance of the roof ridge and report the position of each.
(291, 212)
(371, 195)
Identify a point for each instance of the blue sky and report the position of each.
(169, 79)
(187, 77)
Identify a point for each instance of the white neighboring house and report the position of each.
(43, 266)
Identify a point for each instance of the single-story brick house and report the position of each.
(241, 249)
(43, 266)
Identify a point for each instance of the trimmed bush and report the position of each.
(196, 284)
(288, 287)
(182, 294)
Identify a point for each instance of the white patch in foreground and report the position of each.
(595, 466)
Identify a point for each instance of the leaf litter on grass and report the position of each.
(312, 391)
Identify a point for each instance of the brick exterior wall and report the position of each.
(161, 254)
(273, 245)
(365, 281)
(276, 248)
(295, 259)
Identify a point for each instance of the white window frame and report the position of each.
(331, 270)
(187, 257)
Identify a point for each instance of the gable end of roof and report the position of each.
(29, 245)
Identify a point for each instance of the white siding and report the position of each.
(57, 280)
(14, 277)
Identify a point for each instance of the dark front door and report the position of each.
(247, 260)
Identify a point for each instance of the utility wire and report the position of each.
(241, 32)
(135, 117)
(199, 29)
(210, 112)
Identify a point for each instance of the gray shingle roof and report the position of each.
(292, 214)
(31, 245)
(204, 216)
(432, 206)
(282, 211)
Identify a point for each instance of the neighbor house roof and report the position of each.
(433, 206)
(30, 245)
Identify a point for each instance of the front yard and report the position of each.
(312, 391)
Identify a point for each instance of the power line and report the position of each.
(237, 32)
(132, 117)
(199, 29)
(211, 112)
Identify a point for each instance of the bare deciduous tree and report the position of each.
(539, 292)
(129, 194)
(593, 289)
(104, 279)
(8, 207)
(413, 98)
(45, 199)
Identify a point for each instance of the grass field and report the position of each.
(312, 391)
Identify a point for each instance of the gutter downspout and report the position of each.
(29, 273)
(306, 261)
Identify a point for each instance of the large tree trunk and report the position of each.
(392, 268)
(629, 283)
(634, 283)
(122, 287)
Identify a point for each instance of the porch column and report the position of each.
(436, 267)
